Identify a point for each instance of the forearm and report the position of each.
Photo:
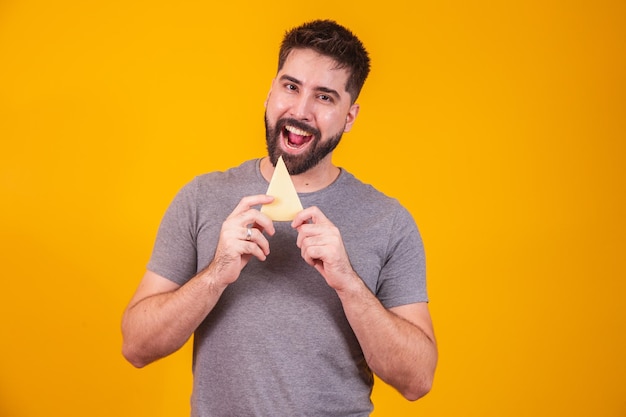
(160, 324)
(400, 352)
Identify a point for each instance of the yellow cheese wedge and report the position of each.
(286, 203)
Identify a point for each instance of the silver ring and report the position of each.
(249, 234)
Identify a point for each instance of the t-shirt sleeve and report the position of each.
(174, 255)
(403, 276)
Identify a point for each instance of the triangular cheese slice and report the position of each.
(286, 203)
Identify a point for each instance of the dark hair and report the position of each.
(328, 38)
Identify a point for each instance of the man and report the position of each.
(290, 318)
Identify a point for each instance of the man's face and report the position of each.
(307, 110)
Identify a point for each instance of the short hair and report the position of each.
(329, 38)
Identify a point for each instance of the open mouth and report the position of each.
(296, 138)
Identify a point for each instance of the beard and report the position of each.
(298, 164)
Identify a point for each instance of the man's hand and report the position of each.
(241, 237)
(322, 247)
(398, 343)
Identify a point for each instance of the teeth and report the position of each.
(297, 131)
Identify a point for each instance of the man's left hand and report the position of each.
(322, 247)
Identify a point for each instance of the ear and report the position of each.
(351, 116)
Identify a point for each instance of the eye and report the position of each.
(291, 87)
(325, 97)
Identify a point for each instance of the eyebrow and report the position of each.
(320, 88)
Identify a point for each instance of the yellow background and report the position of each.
(500, 125)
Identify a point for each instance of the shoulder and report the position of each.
(220, 191)
(366, 196)
(244, 173)
(350, 200)
(237, 181)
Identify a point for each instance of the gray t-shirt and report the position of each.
(278, 343)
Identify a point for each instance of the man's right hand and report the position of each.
(241, 237)
(162, 315)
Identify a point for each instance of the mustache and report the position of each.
(280, 125)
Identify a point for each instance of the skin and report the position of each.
(398, 343)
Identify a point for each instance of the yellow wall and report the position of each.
(500, 125)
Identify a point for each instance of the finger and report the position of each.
(305, 252)
(253, 218)
(305, 231)
(245, 214)
(314, 233)
(234, 242)
(263, 223)
(255, 236)
(316, 253)
(248, 202)
(248, 232)
(309, 215)
(252, 248)
(324, 239)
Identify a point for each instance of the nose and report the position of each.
(302, 108)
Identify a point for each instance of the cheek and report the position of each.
(332, 122)
(277, 103)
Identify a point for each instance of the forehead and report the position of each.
(315, 70)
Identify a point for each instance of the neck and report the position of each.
(318, 177)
